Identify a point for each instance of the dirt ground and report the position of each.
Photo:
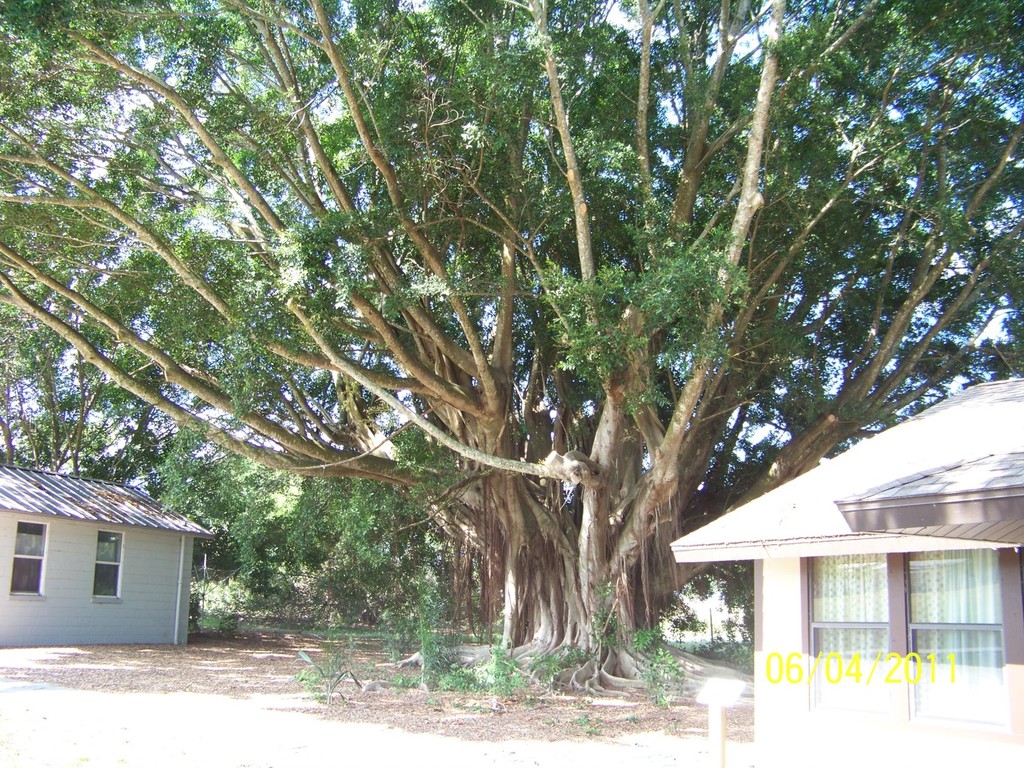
(235, 702)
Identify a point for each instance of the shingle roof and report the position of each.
(31, 491)
(973, 442)
(1001, 471)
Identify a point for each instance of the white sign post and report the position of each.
(718, 694)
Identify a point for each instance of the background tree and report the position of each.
(605, 267)
(61, 414)
(307, 550)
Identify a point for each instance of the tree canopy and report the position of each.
(590, 270)
(60, 414)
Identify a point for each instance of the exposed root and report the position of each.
(416, 660)
(469, 656)
(610, 676)
(607, 673)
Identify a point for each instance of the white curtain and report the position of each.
(845, 590)
(850, 588)
(962, 663)
(960, 587)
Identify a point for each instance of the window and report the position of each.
(107, 578)
(948, 632)
(29, 546)
(849, 623)
(956, 627)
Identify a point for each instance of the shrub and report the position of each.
(501, 676)
(739, 655)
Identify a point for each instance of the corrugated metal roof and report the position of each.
(36, 492)
(799, 517)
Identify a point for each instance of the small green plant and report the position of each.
(459, 679)
(502, 676)
(405, 681)
(400, 633)
(591, 726)
(323, 675)
(662, 675)
(606, 623)
(438, 654)
(658, 667)
(647, 640)
(225, 623)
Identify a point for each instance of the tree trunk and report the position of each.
(567, 582)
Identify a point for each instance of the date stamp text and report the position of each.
(835, 668)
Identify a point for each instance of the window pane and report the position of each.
(846, 685)
(967, 687)
(105, 581)
(962, 663)
(960, 587)
(108, 547)
(27, 575)
(29, 540)
(850, 588)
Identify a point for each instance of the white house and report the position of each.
(90, 562)
(889, 599)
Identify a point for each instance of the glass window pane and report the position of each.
(960, 587)
(850, 588)
(963, 680)
(26, 575)
(108, 547)
(105, 581)
(841, 675)
(29, 539)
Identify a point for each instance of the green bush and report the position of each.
(501, 676)
(438, 652)
(647, 640)
(739, 655)
(663, 676)
(461, 679)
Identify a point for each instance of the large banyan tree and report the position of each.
(590, 271)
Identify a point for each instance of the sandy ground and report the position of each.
(239, 707)
(58, 728)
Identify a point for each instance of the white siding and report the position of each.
(153, 602)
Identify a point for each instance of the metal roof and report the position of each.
(37, 492)
(970, 443)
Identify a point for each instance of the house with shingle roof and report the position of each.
(90, 562)
(889, 587)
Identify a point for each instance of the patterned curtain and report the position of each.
(956, 627)
(848, 590)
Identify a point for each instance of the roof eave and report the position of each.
(993, 505)
(852, 544)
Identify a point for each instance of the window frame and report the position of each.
(98, 564)
(41, 559)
